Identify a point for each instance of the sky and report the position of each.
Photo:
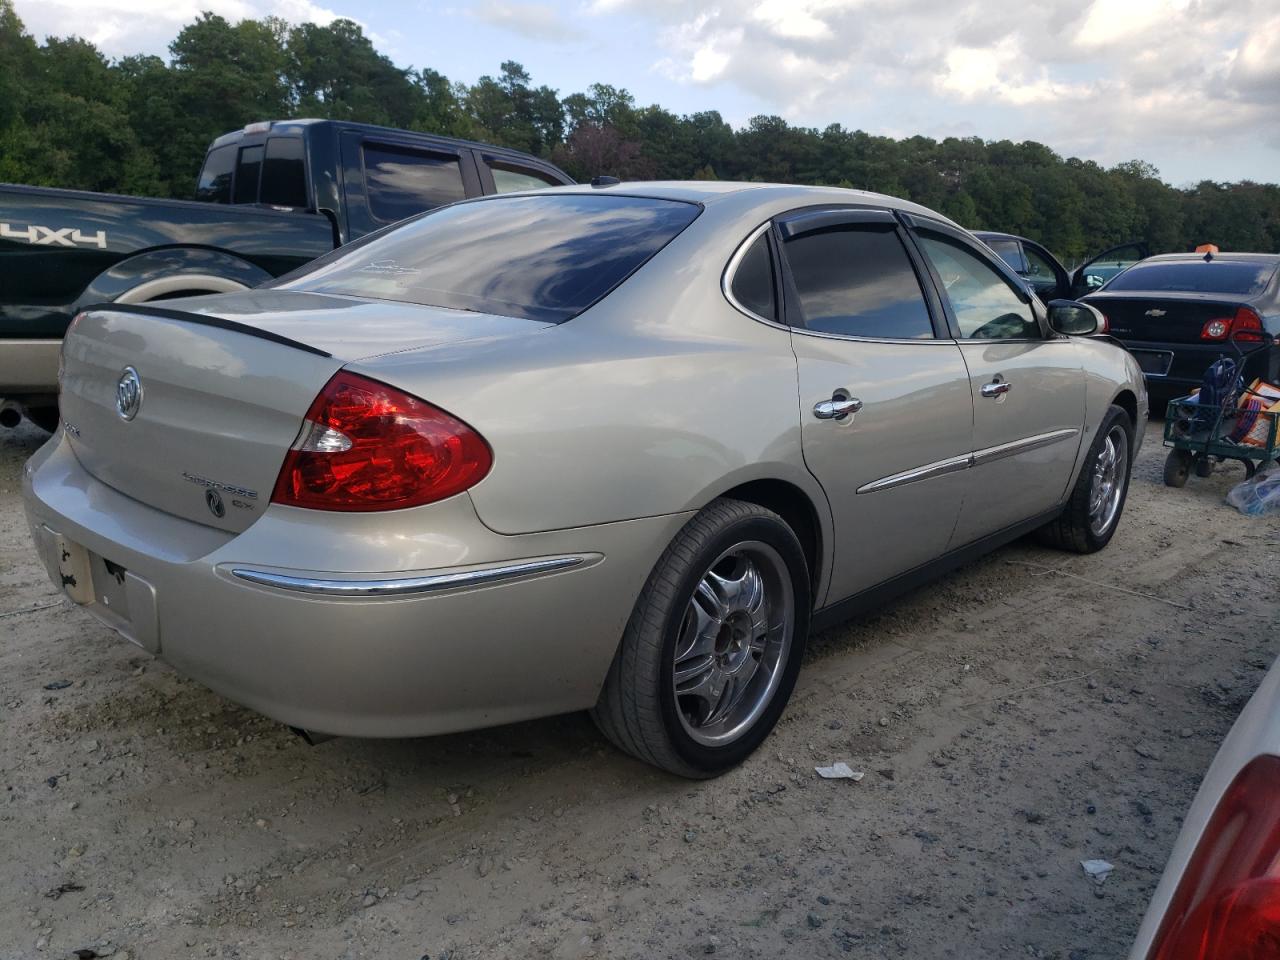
(1192, 86)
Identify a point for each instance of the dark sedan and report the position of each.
(1045, 274)
(1178, 313)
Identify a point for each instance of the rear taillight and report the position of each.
(1245, 326)
(1227, 905)
(368, 446)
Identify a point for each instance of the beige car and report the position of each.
(616, 448)
(1219, 898)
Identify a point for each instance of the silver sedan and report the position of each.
(618, 448)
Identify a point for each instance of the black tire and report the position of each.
(46, 418)
(1177, 468)
(1204, 467)
(638, 708)
(1073, 529)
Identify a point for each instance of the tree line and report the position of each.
(70, 117)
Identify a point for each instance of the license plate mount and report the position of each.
(75, 570)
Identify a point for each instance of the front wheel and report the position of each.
(713, 647)
(1089, 520)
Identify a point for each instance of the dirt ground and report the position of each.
(1031, 711)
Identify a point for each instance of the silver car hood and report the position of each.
(350, 328)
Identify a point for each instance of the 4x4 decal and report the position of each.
(53, 236)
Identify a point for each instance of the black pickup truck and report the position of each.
(269, 198)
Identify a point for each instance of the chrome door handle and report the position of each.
(996, 388)
(837, 408)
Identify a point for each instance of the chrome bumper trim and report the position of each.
(938, 469)
(989, 454)
(408, 586)
(956, 464)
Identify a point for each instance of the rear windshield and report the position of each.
(542, 258)
(1238, 277)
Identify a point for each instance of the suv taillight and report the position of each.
(1227, 905)
(1245, 325)
(367, 446)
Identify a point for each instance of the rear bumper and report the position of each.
(323, 621)
(1188, 362)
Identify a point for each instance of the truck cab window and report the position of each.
(248, 170)
(284, 173)
(214, 185)
(401, 181)
(508, 178)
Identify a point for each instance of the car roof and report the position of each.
(296, 127)
(709, 192)
(1200, 257)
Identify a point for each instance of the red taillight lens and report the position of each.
(1244, 325)
(1105, 326)
(1227, 906)
(367, 446)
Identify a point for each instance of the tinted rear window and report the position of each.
(1196, 276)
(402, 181)
(214, 185)
(542, 258)
(284, 173)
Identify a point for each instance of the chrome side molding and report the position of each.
(410, 586)
(955, 464)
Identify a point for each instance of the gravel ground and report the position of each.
(1028, 712)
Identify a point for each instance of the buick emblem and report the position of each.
(214, 500)
(128, 394)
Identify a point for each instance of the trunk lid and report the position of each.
(224, 385)
(1162, 317)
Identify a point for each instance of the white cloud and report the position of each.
(1111, 79)
(122, 27)
(536, 21)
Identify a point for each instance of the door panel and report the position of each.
(1025, 441)
(916, 412)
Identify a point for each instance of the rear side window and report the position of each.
(857, 281)
(284, 173)
(753, 285)
(1197, 276)
(544, 258)
(214, 185)
(508, 178)
(247, 172)
(401, 181)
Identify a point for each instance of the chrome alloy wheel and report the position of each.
(1110, 471)
(734, 642)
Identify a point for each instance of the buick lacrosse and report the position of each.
(616, 447)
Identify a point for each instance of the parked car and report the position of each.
(1178, 313)
(1048, 277)
(540, 453)
(269, 198)
(1219, 898)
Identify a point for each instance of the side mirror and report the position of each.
(1073, 318)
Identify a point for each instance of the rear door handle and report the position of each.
(837, 408)
(997, 388)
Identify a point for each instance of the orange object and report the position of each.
(1207, 248)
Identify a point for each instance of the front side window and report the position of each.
(247, 172)
(985, 305)
(753, 285)
(508, 178)
(1038, 268)
(544, 258)
(284, 173)
(857, 281)
(401, 181)
(1010, 252)
(214, 185)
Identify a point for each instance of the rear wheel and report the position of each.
(1177, 468)
(1091, 516)
(711, 652)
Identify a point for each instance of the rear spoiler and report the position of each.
(206, 320)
